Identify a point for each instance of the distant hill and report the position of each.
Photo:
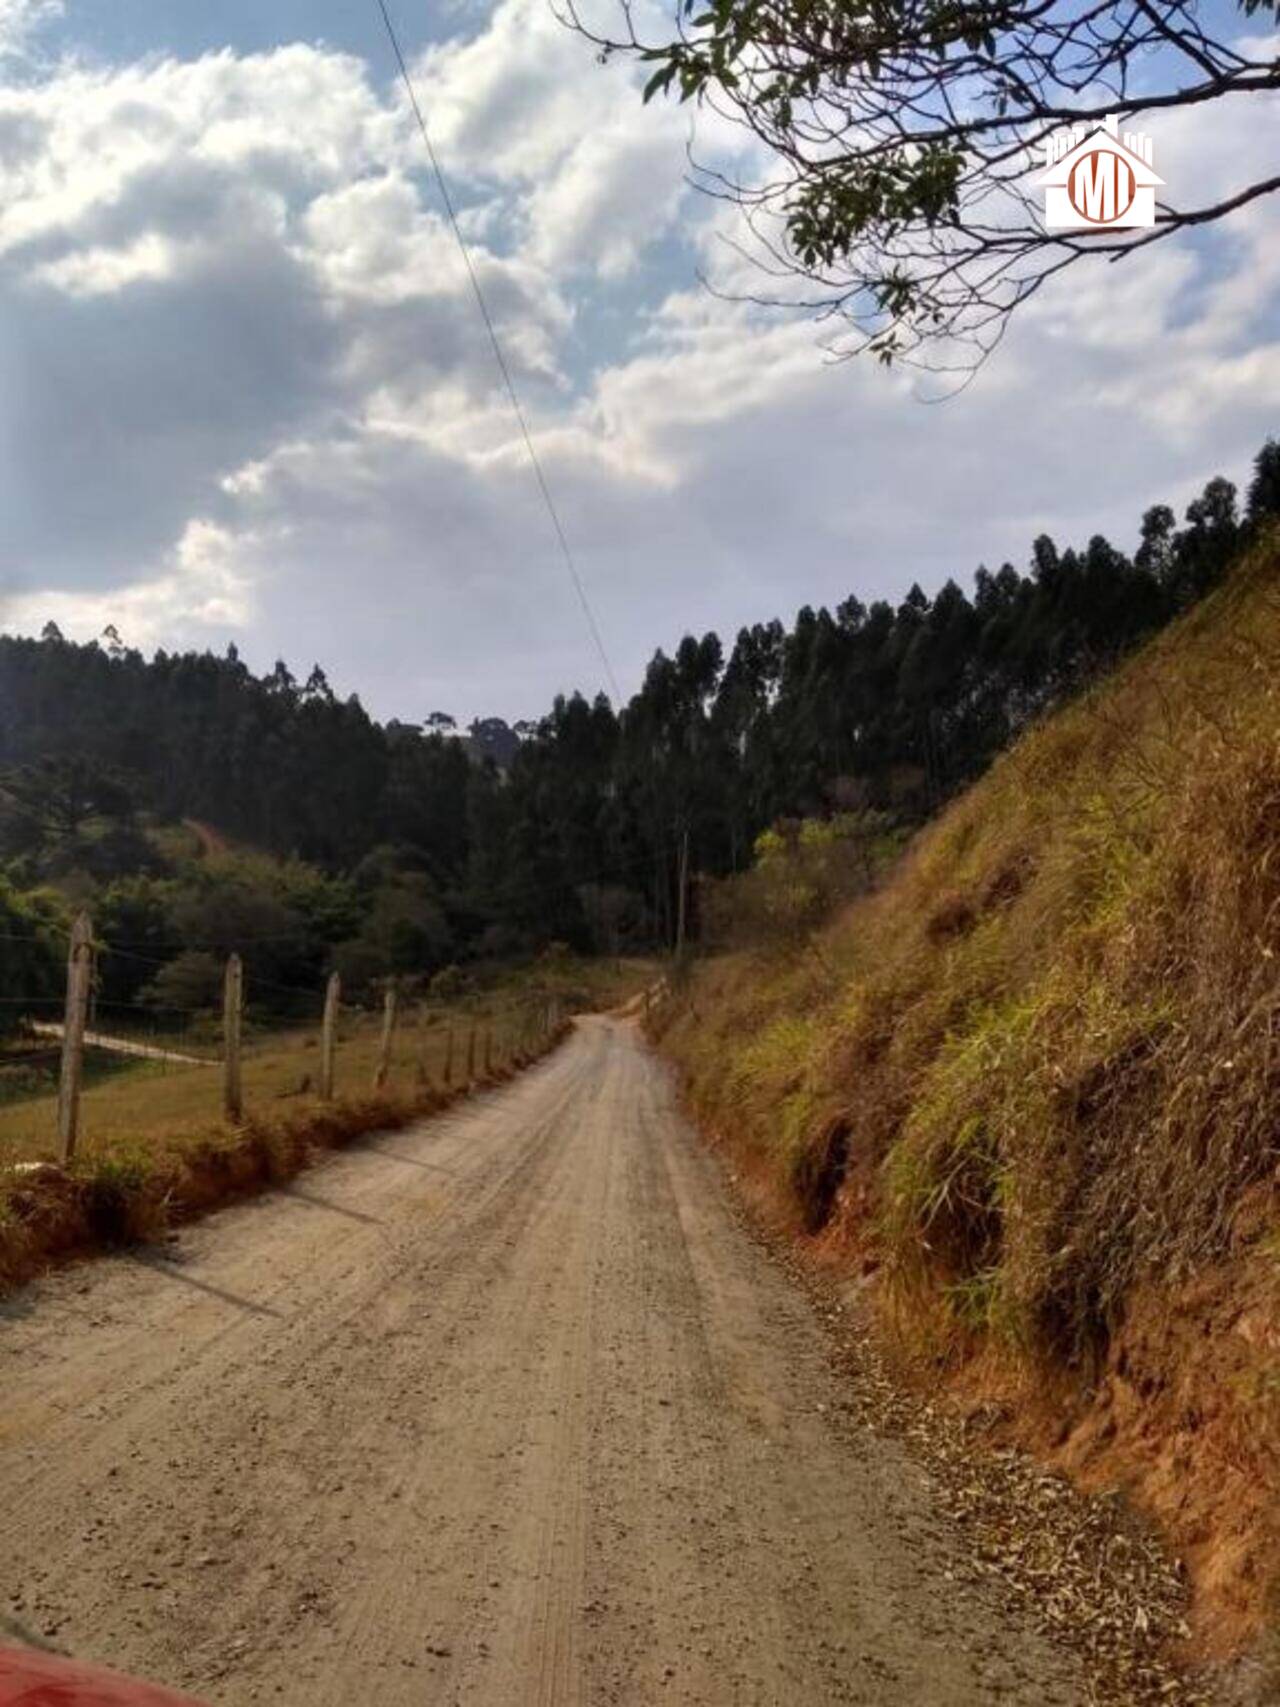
(578, 828)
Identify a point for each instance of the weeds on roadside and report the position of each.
(1051, 1033)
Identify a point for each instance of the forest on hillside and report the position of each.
(402, 848)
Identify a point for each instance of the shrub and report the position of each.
(190, 982)
(33, 953)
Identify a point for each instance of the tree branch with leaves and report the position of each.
(896, 141)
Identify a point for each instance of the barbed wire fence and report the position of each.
(318, 1045)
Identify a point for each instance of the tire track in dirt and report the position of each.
(504, 1409)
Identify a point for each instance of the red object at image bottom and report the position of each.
(30, 1679)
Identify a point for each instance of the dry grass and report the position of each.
(138, 1108)
(1052, 1039)
(154, 1146)
(155, 1105)
(1032, 1084)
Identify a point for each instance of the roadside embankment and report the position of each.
(1025, 1097)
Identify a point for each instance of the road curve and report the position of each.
(506, 1409)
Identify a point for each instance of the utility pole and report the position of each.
(232, 1015)
(682, 899)
(79, 976)
(388, 1030)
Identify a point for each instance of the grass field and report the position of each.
(132, 1113)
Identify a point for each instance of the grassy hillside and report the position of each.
(1032, 1082)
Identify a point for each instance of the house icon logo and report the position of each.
(1097, 181)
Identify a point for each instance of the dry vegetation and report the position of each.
(1033, 1081)
(154, 1147)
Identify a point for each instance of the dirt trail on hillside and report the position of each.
(506, 1409)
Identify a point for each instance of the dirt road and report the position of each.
(503, 1410)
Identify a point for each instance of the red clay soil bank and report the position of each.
(1183, 1418)
(1186, 1419)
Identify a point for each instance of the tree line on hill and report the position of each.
(400, 848)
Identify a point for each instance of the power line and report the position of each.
(504, 369)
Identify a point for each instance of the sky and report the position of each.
(245, 394)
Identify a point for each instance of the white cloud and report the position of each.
(590, 177)
(20, 19)
(200, 595)
(248, 394)
(99, 271)
(616, 193)
(120, 148)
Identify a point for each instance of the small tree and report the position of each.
(190, 983)
(59, 796)
(1264, 488)
(33, 954)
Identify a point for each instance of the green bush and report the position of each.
(33, 954)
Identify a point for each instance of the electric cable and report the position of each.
(500, 356)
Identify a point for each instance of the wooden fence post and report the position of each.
(79, 973)
(388, 1031)
(448, 1055)
(422, 1046)
(329, 1035)
(232, 1015)
(471, 1052)
(488, 1048)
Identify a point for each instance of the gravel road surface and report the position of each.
(507, 1409)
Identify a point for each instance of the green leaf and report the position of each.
(659, 82)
